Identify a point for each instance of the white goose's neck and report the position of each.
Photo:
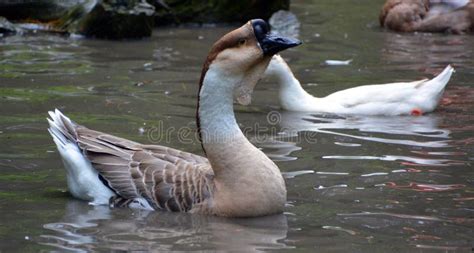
(292, 96)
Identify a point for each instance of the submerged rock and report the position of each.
(181, 11)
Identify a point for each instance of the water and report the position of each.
(355, 184)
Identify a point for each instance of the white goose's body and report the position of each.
(236, 179)
(415, 97)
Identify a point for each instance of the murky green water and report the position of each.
(379, 183)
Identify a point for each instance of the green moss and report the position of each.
(24, 60)
(21, 94)
(8, 195)
(25, 118)
(28, 197)
(37, 95)
(23, 178)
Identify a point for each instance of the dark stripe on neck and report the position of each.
(223, 43)
(198, 119)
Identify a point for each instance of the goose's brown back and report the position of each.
(166, 178)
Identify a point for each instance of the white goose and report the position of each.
(414, 98)
(236, 179)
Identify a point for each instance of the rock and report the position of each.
(41, 10)
(121, 19)
(285, 23)
(7, 28)
(210, 11)
(110, 19)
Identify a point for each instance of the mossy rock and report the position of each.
(182, 11)
(40, 10)
(7, 28)
(110, 19)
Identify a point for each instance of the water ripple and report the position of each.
(407, 160)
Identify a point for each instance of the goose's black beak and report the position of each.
(271, 43)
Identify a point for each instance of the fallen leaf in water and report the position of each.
(410, 229)
(425, 187)
(425, 237)
(446, 101)
(464, 199)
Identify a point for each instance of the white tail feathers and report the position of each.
(83, 180)
(437, 84)
(61, 128)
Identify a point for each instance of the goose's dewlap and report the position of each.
(236, 179)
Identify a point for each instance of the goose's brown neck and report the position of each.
(239, 167)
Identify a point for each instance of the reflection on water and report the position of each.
(91, 228)
(401, 130)
(426, 187)
(397, 125)
(278, 150)
(47, 56)
(415, 227)
(428, 53)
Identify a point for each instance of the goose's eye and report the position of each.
(242, 42)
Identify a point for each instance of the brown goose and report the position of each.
(455, 16)
(235, 180)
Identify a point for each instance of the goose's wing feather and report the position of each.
(175, 155)
(166, 178)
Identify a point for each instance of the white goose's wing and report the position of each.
(166, 178)
(377, 93)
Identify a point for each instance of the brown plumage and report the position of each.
(427, 16)
(166, 178)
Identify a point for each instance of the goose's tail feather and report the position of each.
(61, 128)
(83, 180)
(437, 84)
